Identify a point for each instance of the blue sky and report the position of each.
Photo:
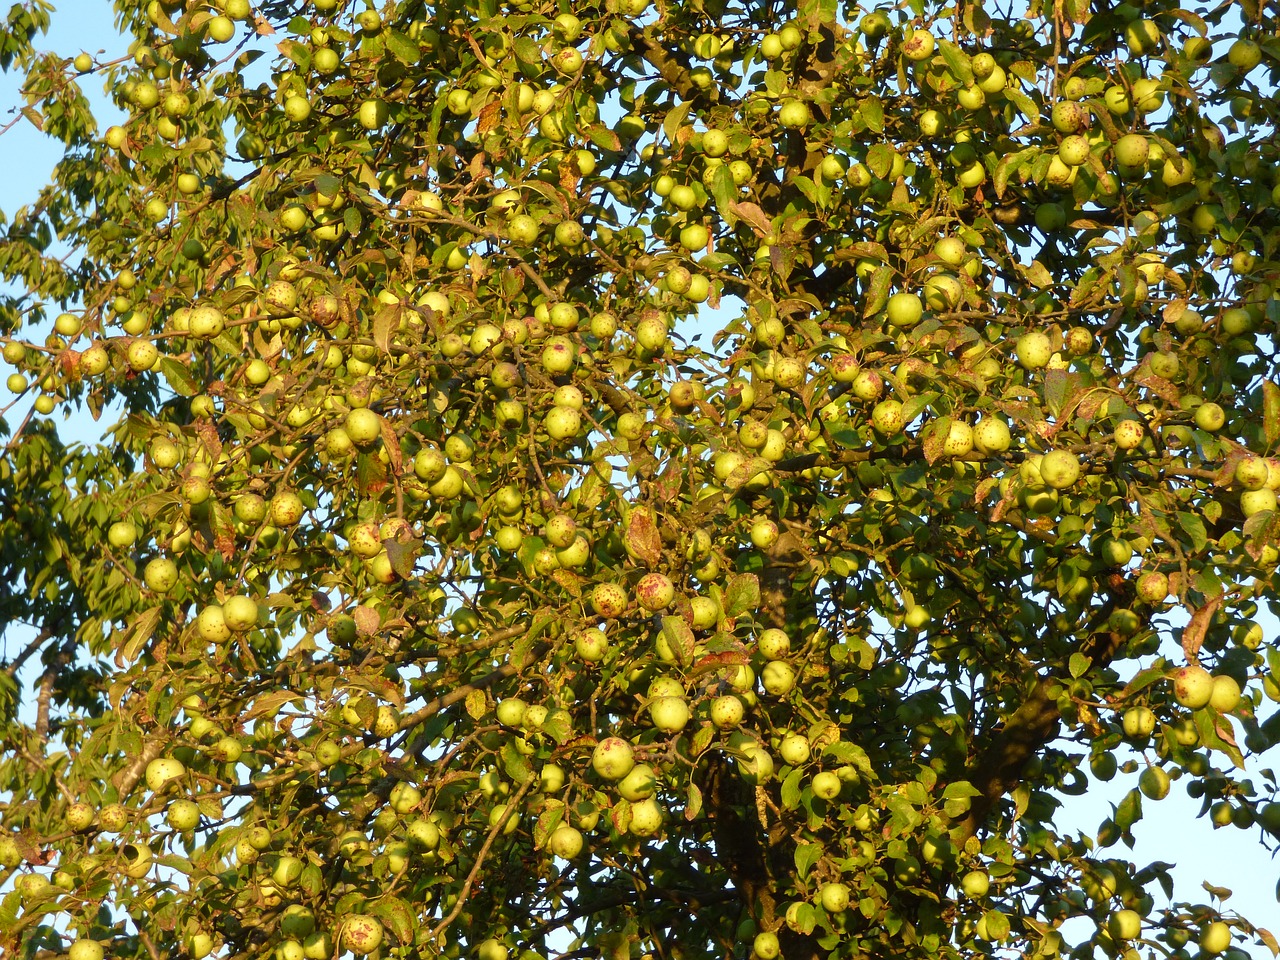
(1228, 857)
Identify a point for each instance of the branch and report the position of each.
(496, 829)
(1035, 723)
(39, 641)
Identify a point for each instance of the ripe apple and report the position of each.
(161, 770)
(608, 600)
(86, 950)
(1192, 686)
(794, 114)
(904, 310)
(834, 897)
(795, 750)
(1226, 694)
(592, 644)
(887, 418)
(975, 884)
(183, 815)
(1128, 434)
(565, 842)
(639, 783)
(1215, 938)
(991, 435)
(361, 934)
(79, 816)
(1154, 783)
(1138, 722)
(1033, 350)
(669, 714)
(778, 678)
(765, 946)
(1125, 925)
(728, 711)
(1060, 469)
(613, 758)
(240, 613)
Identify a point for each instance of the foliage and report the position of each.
(688, 480)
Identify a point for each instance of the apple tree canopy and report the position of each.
(689, 479)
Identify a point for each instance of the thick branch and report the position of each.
(1034, 724)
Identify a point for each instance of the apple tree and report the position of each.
(696, 479)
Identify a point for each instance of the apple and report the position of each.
(361, 934)
(1132, 150)
(655, 592)
(834, 897)
(1033, 350)
(778, 678)
(887, 417)
(1128, 434)
(766, 946)
(161, 770)
(728, 711)
(991, 435)
(1215, 938)
(904, 310)
(183, 815)
(794, 114)
(1192, 686)
(1153, 782)
(669, 714)
(613, 758)
(1060, 469)
(404, 797)
(240, 613)
(565, 842)
(86, 950)
(1153, 587)
(975, 884)
(1125, 925)
(1138, 723)
(286, 508)
(918, 45)
(639, 783)
(1225, 696)
(795, 750)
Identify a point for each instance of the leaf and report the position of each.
(1024, 103)
(878, 290)
(1079, 665)
(397, 916)
(401, 47)
(806, 855)
(693, 802)
(675, 119)
(872, 112)
(178, 375)
(679, 637)
(1212, 730)
(880, 160)
(367, 620)
(1129, 811)
(754, 216)
(642, 539)
(476, 704)
(723, 190)
(742, 595)
(604, 138)
(792, 788)
(140, 631)
(997, 925)
(957, 61)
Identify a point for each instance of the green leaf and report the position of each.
(679, 636)
(724, 191)
(401, 47)
(806, 855)
(957, 61)
(1079, 665)
(178, 376)
(742, 595)
(138, 635)
(792, 787)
